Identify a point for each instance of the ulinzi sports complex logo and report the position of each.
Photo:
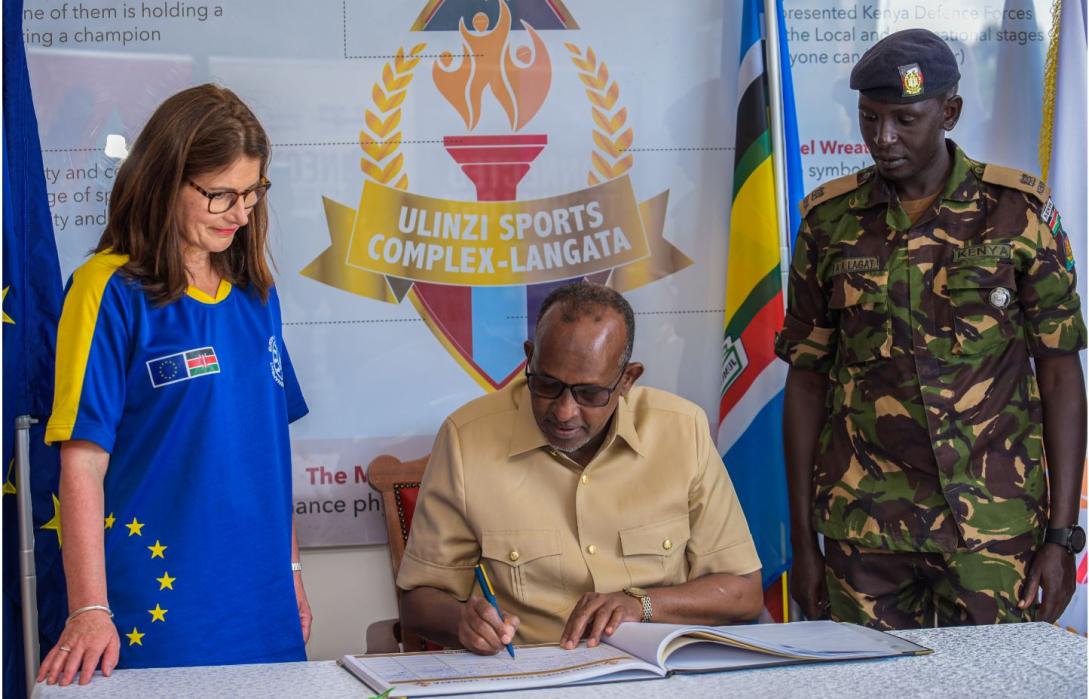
(466, 265)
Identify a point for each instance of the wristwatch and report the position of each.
(644, 598)
(1070, 538)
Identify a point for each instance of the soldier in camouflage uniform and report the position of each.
(921, 292)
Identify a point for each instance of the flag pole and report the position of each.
(772, 68)
(28, 579)
(778, 159)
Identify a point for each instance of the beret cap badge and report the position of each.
(911, 78)
(907, 66)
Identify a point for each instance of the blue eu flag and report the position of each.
(32, 296)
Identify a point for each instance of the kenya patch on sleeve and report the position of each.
(1050, 216)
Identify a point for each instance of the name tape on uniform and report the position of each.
(856, 264)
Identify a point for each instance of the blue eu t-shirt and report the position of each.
(192, 400)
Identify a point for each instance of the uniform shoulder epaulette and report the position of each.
(1016, 179)
(832, 189)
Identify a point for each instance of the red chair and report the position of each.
(399, 484)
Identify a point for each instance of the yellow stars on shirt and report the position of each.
(157, 550)
(7, 318)
(55, 523)
(135, 637)
(9, 484)
(110, 521)
(166, 582)
(135, 527)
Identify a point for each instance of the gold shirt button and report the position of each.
(591, 549)
(585, 479)
(667, 544)
(514, 556)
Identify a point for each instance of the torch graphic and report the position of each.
(519, 79)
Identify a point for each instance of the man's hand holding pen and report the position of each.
(481, 630)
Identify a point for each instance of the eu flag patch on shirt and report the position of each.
(182, 366)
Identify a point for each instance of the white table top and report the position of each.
(1011, 660)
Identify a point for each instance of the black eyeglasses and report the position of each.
(585, 394)
(222, 201)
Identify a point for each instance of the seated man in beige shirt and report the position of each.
(589, 501)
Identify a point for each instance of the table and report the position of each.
(1010, 660)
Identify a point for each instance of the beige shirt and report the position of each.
(655, 507)
(915, 208)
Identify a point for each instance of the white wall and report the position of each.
(348, 589)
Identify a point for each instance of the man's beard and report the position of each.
(567, 449)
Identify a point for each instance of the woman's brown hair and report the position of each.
(199, 130)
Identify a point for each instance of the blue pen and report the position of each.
(489, 594)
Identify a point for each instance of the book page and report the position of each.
(449, 672)
(819, 640)
(647, 641)
(804, 640)
(702, 656)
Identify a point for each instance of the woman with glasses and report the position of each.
(174, 392)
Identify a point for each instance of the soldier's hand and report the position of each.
(480, 628)
(1053, 570)
(807, 583)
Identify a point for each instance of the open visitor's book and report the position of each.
(634, 652)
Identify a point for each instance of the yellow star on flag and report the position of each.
(7, 318)
(55, 523)
(9, 485)
(166, 582)
(135, 637)
(135, 527)
(157, 614)
(157, 550)
(110, 520)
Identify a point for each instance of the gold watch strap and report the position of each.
(644, 601)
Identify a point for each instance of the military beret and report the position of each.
(908, 66)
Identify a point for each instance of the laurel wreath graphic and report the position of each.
(381, 141)
(383, 160)
(610, 158)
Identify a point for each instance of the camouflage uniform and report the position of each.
(933, 442)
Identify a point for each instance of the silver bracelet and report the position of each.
(89, 608)
(296, 566)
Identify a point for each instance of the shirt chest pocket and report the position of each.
(526, 565)
(654, 553)
(982, 296)
(861, 300)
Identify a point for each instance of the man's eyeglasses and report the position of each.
(222, 201)
(585, 394)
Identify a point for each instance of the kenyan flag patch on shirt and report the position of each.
(1051, 218)
(182, 366)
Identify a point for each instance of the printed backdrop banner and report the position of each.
(437, 169)
(595, 139)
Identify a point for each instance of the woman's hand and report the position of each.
(90, 638)
(87, 641)
(306, 617)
